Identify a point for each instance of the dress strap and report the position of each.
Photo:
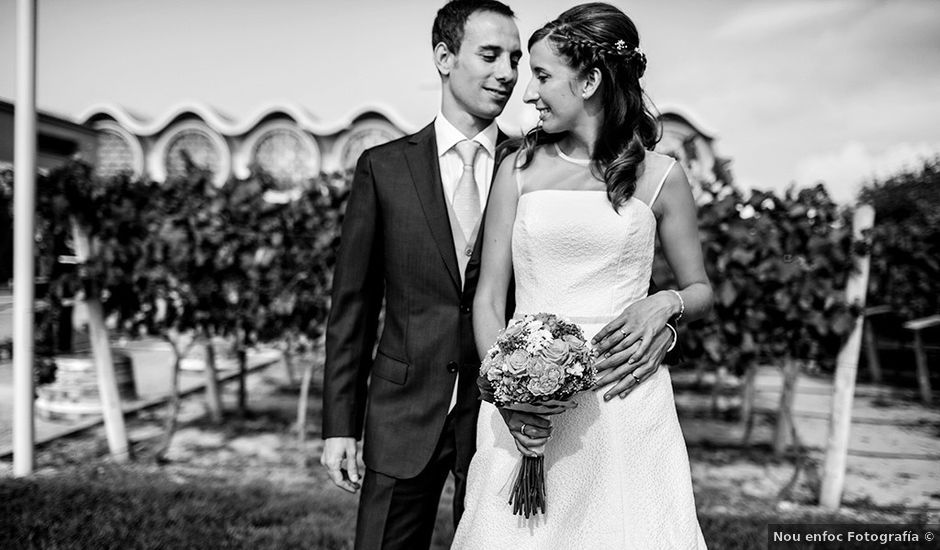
(661, 182)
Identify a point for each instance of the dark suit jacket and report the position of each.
(396, 242)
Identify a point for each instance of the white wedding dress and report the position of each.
(617, 472)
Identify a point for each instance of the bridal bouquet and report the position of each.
(536, 359)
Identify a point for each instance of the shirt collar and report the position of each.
(448, 136)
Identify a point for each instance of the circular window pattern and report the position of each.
(284, 155)
(198, 146)
(360, 140)
(115, 155)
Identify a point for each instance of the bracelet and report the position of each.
(675, 338)
(681, 304)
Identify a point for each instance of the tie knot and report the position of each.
(467, 149)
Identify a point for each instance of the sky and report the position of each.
(794, 91)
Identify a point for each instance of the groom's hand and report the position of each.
(529, 430)
(339, 457)
(626, 375)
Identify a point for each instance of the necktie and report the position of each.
(467, 196)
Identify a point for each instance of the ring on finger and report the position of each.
(635, 378)
(622, 333)
(522, 431)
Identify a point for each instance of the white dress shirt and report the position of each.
(451, 165)
(452, 168)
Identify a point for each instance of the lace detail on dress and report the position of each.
(570, 263)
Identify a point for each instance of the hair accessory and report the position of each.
(620, 45)
(620, 49)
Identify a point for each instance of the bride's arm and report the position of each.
(682, 248)
(636, 352)
(489, 304)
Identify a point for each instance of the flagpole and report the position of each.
(24, 208)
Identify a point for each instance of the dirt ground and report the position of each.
(894, 446)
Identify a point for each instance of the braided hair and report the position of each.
(600, 36)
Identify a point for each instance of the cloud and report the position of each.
(845, 171)
(761, 19)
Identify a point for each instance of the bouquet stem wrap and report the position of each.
(536, 359)
(528, 493)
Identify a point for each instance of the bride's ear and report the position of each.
(591, 83)
(443, 59)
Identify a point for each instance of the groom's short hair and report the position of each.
(452, 18)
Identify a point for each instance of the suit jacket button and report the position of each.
(452, 367)
(468, 252)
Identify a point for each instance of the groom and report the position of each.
(409, 237)
(410, 226)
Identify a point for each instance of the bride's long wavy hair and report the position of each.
(598, 35)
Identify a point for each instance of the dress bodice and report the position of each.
(573, 253)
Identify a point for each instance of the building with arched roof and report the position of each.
(291, 144)
(284, 140)
(693, 145)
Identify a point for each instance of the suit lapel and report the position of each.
(422, 160)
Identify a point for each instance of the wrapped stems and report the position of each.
(528, 492)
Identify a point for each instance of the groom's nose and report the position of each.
(505, 73)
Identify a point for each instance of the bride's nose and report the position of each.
(531, 91)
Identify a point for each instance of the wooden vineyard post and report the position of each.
(840, 419)
(785, 421)
(101, 353)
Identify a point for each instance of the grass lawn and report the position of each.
(129, 507)
(108, 506)
(116, 507)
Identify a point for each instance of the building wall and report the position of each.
(694, 149)
(58, 139)
(285, 142)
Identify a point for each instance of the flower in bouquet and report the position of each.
(536, 359)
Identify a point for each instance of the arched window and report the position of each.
(284, 152)
(192, 138)
(118, 151)
(360, 137)
(194, 144)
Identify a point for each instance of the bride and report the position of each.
(573, 218)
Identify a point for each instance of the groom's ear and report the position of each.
(443, 59)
